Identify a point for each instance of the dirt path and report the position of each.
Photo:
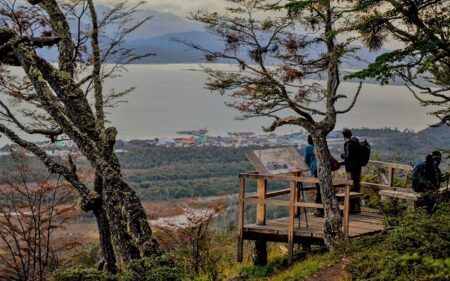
(335, 272)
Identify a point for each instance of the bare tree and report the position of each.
(276, 64)
(32, 209)
(191, 237)
(68, 99)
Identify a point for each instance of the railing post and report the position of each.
(260, 249)
(240, 250)
(346, 211)
(297, 194)
(261, 208)
(292, 200)
(390, 177)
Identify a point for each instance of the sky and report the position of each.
(181, 7)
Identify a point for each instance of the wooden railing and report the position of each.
(390, 167)
(262, 200)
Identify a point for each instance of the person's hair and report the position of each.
(310, 140)
(436, 154)
(347, 133)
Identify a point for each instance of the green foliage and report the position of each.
(77, 274)
(423, 28)
(267, 270)
(145, 269)
(152, 269)
(415, 249)
(87, 257)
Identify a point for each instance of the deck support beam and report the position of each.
(259, 256)
(291, 222)
(260, 246)
(240, 250)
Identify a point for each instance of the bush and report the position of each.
(77, 274)
(414, 249)
(145, 269)
(152, 269)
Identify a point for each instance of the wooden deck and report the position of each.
(367, 222)
(294, 229)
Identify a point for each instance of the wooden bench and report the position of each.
(410, 196)
(354, 196)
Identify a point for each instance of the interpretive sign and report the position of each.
(275, 161)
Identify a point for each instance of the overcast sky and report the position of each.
(181, 7)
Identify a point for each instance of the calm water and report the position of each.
(170, 98)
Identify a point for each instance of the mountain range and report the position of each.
(165, 33)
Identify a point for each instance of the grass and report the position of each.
(306, 268)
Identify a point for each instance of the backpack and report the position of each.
(364, 152)
(419, 183)
(335, 165)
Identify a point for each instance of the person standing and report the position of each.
(352, 162)
(310, 160)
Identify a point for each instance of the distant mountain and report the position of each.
(169, 48)
(164, 33)
(160, 23)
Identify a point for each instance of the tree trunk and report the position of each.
(333, 218)
(104, 228)
(128, 220)
(106, 239)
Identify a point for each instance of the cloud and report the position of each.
(180, 7)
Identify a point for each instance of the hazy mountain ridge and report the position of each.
(165, 33)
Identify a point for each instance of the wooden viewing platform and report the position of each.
(366, 222)
(301, 226)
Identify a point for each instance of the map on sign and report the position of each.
(275, 161)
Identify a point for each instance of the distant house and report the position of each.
(166, 142)
(188, 141)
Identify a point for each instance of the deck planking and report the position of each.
(366, 222)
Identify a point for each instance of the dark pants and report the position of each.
(318, 195)
(355, 176)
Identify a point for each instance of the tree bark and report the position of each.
(333, 218)
(106, 239)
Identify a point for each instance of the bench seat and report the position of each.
(352, 195)
(410, 196)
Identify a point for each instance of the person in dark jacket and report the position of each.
(427, 179)
(352, 164)
(426, 175)
(310, 160)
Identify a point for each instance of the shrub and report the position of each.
(414, 249)
(77, 274)
(145, 269)
(152, 269)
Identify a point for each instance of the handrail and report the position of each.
(392, 165)
(336, 182)
(261, 199)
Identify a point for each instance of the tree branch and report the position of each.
(355, 97)
(52, 133)
(89, 197)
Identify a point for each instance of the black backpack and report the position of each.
(364, 152)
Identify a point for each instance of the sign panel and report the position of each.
(275, 161)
